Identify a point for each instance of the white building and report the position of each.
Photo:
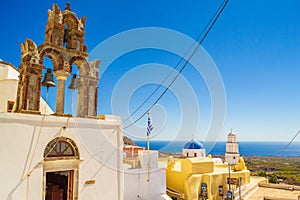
(57, 156)
(193, 149)
(143, 179)
(51, 157)
(47, 155)
(232, 149)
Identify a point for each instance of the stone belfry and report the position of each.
(64, 45)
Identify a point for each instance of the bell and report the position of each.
(74, 83)
(48, 79)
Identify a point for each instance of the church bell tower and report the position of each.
(232, 149)
(64, 45)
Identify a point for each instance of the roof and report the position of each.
(193, 144)
(231, 133)
(7, 63)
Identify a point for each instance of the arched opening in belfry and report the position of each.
(71, 91)
(73, 84)
(66, 37)
(54, 62)
(50, 95)
(71, 34)
(61, 70)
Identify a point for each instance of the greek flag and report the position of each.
(150, 127)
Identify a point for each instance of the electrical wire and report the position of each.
(291, 141)
(219, 12)
(177, 64)
(104, 164)
(174, 79)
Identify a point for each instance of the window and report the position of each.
(203, 192)
(220, 190)
(10, 105)
(61, 147)
(229, 195)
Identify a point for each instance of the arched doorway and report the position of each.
(61, 167)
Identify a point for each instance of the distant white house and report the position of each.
(143, 179)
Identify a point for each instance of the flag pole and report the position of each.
(148, 133)
(149, 129)
(148, 143)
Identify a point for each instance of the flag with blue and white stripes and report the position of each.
(150, 127)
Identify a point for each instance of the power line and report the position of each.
(215, 17)
(177, 64)
(289, 143)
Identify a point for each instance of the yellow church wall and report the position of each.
(175, 179)
(198, 165)
(213, 181)
(216, 181)
(192, 186)
(245, 175)
(206, 179)
(222, 166)
(241, 165)
(187, 176)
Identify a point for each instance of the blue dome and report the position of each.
(193, 144)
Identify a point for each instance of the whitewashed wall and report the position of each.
(7, 71)
(191, 152)
(136, 185)
(100, 147)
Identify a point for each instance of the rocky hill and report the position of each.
(128, 141)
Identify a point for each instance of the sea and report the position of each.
(245, 148)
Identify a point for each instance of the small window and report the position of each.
(61, 147)
(221, 190)
(203, 192)
(10, 105)
(229, 195)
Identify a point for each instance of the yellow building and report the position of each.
(204, 178)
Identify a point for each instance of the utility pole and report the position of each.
(240, 183)
(229, 177)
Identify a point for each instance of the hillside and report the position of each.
(128, 141)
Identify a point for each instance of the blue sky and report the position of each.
(255, 45)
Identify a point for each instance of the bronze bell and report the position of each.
(74, 83)
(48, 79)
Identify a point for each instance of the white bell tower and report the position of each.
(232, 149)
